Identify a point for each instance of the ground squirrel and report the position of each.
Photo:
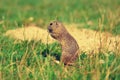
(70, 48)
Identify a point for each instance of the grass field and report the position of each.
(36, 61)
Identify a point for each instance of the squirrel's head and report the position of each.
(56, 29)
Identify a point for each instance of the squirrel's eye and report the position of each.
(50, 23)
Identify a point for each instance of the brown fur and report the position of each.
(70, 48)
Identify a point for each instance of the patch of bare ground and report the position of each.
(88, 40)
(30, 33)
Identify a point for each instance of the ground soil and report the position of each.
(89, 40)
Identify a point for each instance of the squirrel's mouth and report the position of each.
(50, 30)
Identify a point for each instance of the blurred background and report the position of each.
(89, 13)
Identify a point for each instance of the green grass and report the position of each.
(28, 60)
(17, 12)
(36, 61)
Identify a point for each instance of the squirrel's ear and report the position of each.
(56, 23)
